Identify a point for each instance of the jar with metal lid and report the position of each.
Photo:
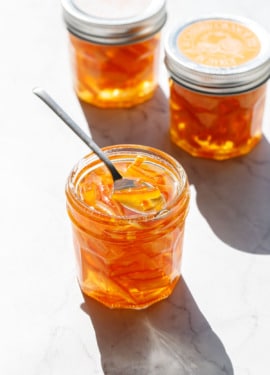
(127, 259)
(218, 69)
(114, 49)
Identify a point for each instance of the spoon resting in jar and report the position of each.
(134, 194)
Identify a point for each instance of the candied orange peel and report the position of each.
(124, 260)
(97, 190)
(143, 199)
(115, 75)
(216, 126)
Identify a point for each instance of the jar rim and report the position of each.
(218, 80)
(125, 149)
(114, 30)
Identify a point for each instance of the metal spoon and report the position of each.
(120, 183)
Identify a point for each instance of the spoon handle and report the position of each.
(43, 95)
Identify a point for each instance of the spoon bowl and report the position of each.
(131, 193)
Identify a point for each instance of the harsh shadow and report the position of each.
(171, 337)
(232, 195)
(144, 124)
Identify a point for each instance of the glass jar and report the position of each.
(127, 259)
(114, 49)
(218, 70)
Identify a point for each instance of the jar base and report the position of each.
(215, 151)
(118, 98)
(115, 303)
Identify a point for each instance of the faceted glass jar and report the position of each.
(216, 126)
(114, 47)
(127, 259)
(218, 68)
(115, 75)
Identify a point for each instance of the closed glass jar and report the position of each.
(218, 68)
(127, 259)
(114, 48)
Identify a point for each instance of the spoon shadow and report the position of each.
(232, 195)
(171, 337)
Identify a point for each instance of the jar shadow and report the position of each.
(232, 195)
(144, 124)
(171, 337)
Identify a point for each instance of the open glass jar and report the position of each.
(127, 259)
(218, 70)
(114, 49)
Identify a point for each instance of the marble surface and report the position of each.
(217, 321)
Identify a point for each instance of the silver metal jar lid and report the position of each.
(117, 22)
(218, 76)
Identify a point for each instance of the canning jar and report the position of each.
(127, 259)
(114, 48)
(218, 68)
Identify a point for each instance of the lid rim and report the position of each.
(114, 31)
(230, 88)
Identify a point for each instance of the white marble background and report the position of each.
(218, 319)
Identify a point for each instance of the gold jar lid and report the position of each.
(117, 22)
(218, 54)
